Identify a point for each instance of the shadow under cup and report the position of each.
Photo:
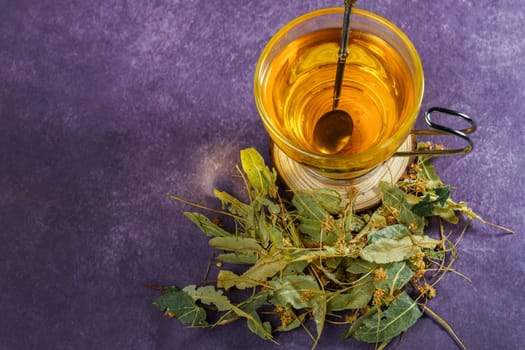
(382, 89)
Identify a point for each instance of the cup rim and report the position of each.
(323, 160)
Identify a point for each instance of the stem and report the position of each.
(445, 325)
(196, 205)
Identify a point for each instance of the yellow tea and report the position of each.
(377, 90)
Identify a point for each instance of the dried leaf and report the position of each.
(398, 275)
(425, 241)
(359, 266)
(381, 326)
(426, 205)
(395, 199)
(264, 269)
(206, 226)
(308, 207)
(301, 292)
(358, 297)
(231, 203)
(238, 244)
(262, 329)
(260, 177)
(389, 232)
(296, 322)
(210, 296)
(386, 250)
(178, 303)
(238, 258)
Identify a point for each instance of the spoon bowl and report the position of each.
(333, 131)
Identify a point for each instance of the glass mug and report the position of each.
(382, 91)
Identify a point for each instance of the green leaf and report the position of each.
(296, 323)
(390, 244)
(359, 266)
(428, 173)
(301, 292)
(425, 241)
(180, 304)
(210, 296)
(308, 207)
(329, 199)
(206, 226)
(295, 268)
(385, 250)
(264, 269)
(262, 329)
(233, 205)
(446, 214)
(398, 275)
(354, 223)
(390, 232)
(381, 326)
(237, 244)
(247, 309)
(309, 255)
(227, 279)
(255, 301)
(395, 198)
(426, 205)
(318, 233)
(261, 179)
(358, 297)
(443, 194)
(238, 258)
(273, 207)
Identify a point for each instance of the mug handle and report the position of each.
(438, 129)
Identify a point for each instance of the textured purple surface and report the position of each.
(104, 108)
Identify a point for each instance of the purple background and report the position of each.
(105, 106)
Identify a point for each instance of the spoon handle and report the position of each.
(343, 52)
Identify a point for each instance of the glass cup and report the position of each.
(382, 89)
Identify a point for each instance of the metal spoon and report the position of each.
(333, 130)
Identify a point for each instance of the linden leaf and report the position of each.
(301, 292)
(206, 226)
(428, 173)
(425, 241)
(378, 326)
(329, 199)
(443, 194)
(391, 232)
(227, 279)
(238, 258)
(238, 244)
(264, 269)
(357, 298)
(308, 207)
(398, 274)
(178, 303)
(261, 179)
(395, 199)
(262, 329)
(446, 213)
(210, 296)
(233, 205)
(386, 250)
(296, 322)
(247, 309)
(426, 205)
(354, 223)
(423, 207)
(359, 266)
